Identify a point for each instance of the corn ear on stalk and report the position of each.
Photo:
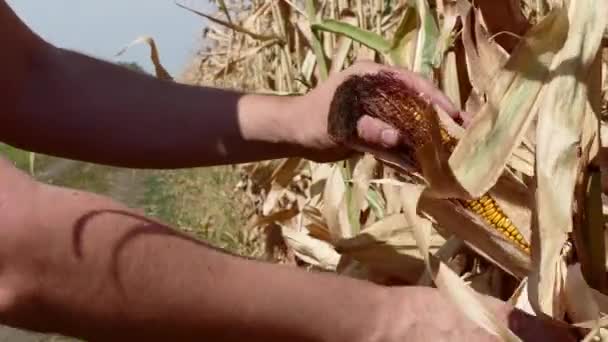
(385, 97)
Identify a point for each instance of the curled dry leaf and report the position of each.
(312, 251)
(481, 155)
(389, 246)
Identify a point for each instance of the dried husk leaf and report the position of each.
(310, 250)
(280, 179)
(559, 132)
(481, 155)
(389, 246)
(334, 205)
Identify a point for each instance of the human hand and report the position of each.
(423, 314)
(311, 111)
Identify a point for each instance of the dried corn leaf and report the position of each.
(519, 298)
(320, 173)
(391, 192)
(161, 72)
(229, 25)
(334, 204)
(310, 250)
(388, 246)
(362, 175)
(559, 133)
(278, 216)
(484, 57)
(480, 157)
(449, 79)
(281, 179)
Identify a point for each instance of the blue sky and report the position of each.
(101, 28)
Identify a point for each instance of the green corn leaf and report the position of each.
(370, 39)
(375, 202)
(428, 36)
(316, 42)
(405, 35)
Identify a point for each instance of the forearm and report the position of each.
(104, 273)
(78, 107)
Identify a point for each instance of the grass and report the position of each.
(202, 202)
(18, 157)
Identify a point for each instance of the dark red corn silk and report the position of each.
(386, 97)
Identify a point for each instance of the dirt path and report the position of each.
(56, 169)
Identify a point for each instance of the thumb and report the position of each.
(377, 133)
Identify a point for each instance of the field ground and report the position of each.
(201, 202)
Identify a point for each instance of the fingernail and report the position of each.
(389, 137)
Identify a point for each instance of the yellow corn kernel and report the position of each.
(487, 208)
(500, 222)
(496, 219)
(489, 212)
(484, 199)
(476, 206)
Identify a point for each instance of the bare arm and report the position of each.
(68, 104)
(85, 266)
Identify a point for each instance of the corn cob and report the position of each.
(386, 97)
